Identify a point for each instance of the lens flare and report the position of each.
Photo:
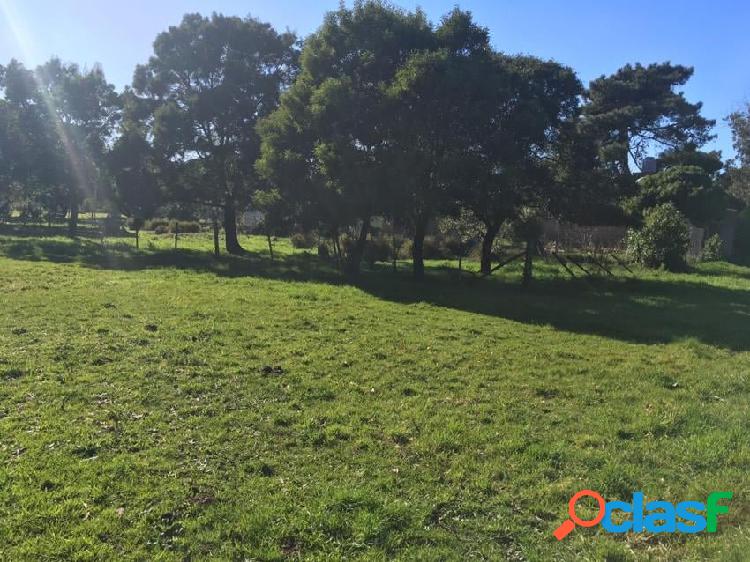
(72, 149)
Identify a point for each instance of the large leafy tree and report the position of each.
(328, 144)
(638, 108)
(524, 155)
(439, 102)
(84, 109)
(211, 80)
(133, 168)
(30, 149)
(739, 170)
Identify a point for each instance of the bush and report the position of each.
(377, 250)
(663, 240)
(166, 226)
(303, 240)
(713, 249)
(136, 223)
(741, 249)
(187, 227)
(5, 211)
(436, 249)
(112, 225)
(154, 224)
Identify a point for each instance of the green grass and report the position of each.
(142, 416)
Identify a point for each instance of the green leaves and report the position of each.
(637, 107)
(689, 188)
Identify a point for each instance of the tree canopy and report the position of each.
(381, 120)
(209, 82)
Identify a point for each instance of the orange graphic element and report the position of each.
(569, 524)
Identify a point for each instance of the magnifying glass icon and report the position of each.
(569, 524)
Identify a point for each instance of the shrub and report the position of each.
(303, 240)
(436, 249)
(5, 211)
(136, 223)
(377, 250)
(166, 226)
(663, 240)
(153, 224)
(187, 227)
(323, 252)
(113, 225)
(741, 249)
(713, 249)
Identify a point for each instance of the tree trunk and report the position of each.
(354, 260)
(270, 244)
(137, 238)
(528, 264)
(417, 251)
(394, 250)
(217, 250)
(336, 247)
(176, 233)
(73, 220)
(487, 241)
(230, 228)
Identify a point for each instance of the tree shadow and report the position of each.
(87, 229)
(648, 311)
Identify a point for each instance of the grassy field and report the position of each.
(165, 405)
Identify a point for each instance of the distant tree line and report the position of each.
(379, 114)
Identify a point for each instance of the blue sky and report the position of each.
(594, 37)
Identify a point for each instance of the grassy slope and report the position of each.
(433, 422)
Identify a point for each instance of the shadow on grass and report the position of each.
(634, 310)
(87, 229)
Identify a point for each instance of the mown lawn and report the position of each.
(162, 405)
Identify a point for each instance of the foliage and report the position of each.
(165, 226)
(54, 126)
(739, 169)
(304, 240)
(741, 247)
(693, 191)
(713, 249)
(637, 108)
(460, 232)
(662, 241)
(209, 81)
(377, 250)
(135, 184)
(326, 145)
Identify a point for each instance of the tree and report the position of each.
(275, 213)
(462, 231)
(693, 191)
(211, 80)
(525, 160)
(438, 107)
(84, 109)
(637, 108)
(739, 168)
(135, 183)
(33, 160)
(689, 155)
(328, 144)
